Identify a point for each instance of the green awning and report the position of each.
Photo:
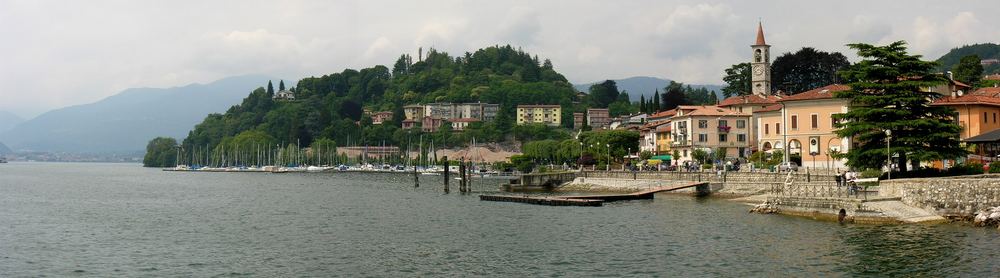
(661, 157)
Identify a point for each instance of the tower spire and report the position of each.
(760, 34)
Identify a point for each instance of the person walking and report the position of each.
(839, 178)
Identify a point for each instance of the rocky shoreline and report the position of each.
(878, 210)
(987, 218)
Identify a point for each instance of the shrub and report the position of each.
(706, 166)
(966, 169)
(995, 167)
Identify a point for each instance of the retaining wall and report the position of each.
(960, 196)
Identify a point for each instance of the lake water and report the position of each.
(64, 219)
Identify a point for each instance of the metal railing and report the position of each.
(823, 189)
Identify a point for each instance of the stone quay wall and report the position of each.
(958, 196)
(729, 183)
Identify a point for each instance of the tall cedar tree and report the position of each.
(281, 85)
(673, 96)
(886, 94)
(604, 93)
(806, 69)
(737, 80)
(968, 70)
(270, 88)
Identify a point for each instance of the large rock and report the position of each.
(987, 218)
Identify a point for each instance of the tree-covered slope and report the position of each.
(330, 106)
(983, 50)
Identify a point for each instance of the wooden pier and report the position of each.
(588, 200)
(546, 201)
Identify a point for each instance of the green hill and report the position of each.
(984, 50)
(330, 107)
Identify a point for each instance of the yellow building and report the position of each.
(550, 115)
(663, 139)
(803, 124)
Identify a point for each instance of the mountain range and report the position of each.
(126, 121)
(8, 120)
(644, 86)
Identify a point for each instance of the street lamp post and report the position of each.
(608, 166)
(888, 153)
(580, 161)
(628, 156)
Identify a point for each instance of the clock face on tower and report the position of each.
(758, 69)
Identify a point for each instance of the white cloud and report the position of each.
(868, 29)
(520, 27)
(693, 30)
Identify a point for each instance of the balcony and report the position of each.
(724, 129)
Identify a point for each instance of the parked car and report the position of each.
(788, 166)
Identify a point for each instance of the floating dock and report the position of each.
(588, 200)
(546, 201)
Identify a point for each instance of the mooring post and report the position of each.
(447, 171)
(461, 175)
(416, 177)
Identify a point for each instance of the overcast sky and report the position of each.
(61, 53)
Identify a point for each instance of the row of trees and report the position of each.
(592, 147)
(676, 94)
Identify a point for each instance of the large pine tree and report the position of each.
(886, 94)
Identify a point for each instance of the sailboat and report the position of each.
(433, 170)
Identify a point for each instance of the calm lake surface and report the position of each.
(66, 219)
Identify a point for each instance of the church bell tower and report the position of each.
(760, 67)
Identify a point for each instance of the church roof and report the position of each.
(749, 99)
(760, 34)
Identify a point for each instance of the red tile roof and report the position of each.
(749, 99)
(983, 96)
(769, 108)
(651, 125)
(665, 113)
(705, 110)
(663, 128)
(825, 92)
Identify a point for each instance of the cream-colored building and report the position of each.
(803, 124)
(413, 112)
(550, 115)
(709, 128)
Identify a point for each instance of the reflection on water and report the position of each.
(124, 220)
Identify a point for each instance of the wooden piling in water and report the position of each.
(446, 174)
(461, 175)
(416, 177)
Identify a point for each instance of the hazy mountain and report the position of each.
(4, 149)
(8, 120)
(127, 121)
(645, 85)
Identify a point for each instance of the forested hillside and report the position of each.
(984, 51)
(331, 106)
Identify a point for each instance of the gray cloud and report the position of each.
(59, 53)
